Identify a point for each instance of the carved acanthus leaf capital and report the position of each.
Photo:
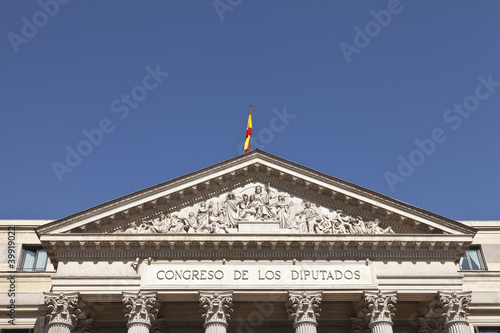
(84, 326)
(379, 307)
(303, 306)
(454, 306)
(431, 325)
(62, 308)
(216, 306)
(359, 325)
(140, 308)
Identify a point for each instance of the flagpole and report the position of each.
(251, 136)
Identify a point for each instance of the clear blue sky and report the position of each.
(360, 99)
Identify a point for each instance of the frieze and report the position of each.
(255, 208)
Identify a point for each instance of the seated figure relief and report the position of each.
(257, 203)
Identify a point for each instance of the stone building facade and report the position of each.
(252, 244)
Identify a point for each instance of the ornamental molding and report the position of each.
(152, 247)
(249, 168)
(140, 308)
(303, 306)
(62, 309)
(216, 307)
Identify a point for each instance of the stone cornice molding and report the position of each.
(216, 307)
(62, 309)
(453, 306)
(141, 308)
(379, 307)
(264, 166)
(376, 247)
(303, 307)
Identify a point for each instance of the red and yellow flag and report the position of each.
(248, 136)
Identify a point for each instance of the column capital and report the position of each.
(453, 306)
(431, 325)
(216, 307)
(359, 325)
(303, 306)
(379, 307)
(62, 309)
(84, 326)
(141, 308)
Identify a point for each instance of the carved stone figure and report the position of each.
(343, 223)
(307, 219)
(192, 222)
(256, 203)
(251, 208)
(358, 226)
(374, 228)
(263, 209)
(283, 212)
(176, 225)
(230, 211)
(326, 225)
(203, 218)
(160, 224)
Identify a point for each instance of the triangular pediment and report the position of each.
(251, 208)
(292, 199)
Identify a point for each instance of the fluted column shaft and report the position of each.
(216, 307)
(215, 327)
(306, 327)
(62, 311)
(381, 327)
(379, 310)
(303, 307)
(138, 328)
(140, 311)
(454, 307)
(59, 328)
(457, 327)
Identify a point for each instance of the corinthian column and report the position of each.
(303, 307)
(379, 309)
(215, 309)
(140, 310)
(62, 310)
(454, 308)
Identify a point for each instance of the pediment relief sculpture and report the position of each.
(250, 207)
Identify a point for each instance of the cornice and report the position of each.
(241, 246)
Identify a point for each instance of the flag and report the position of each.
(248, 135)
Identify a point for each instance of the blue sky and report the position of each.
(400, 97)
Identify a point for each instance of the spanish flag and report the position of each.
(248, 136)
